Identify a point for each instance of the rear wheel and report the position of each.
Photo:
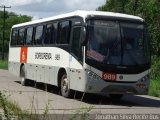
(23, 76)
(65, 88)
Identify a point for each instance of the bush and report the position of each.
(155, 77)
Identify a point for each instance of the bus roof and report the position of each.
(80, 13)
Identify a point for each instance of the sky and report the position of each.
(47, 8)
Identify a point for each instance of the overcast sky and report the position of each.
(46, 8)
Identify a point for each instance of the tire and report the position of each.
(23, 76)
(115, 97)
(65, 89)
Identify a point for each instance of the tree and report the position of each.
(114, 6)
(11, 19)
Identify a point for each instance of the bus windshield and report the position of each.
(118, 43)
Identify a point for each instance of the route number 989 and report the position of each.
(109, 76)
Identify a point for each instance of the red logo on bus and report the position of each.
(23, 55)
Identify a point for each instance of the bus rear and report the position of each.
(117, 56)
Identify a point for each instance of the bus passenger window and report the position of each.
(63, 33)
(38, 35)
(29, 40)
(54, 33)
(48, 34)
(14, 37)
(21, 37)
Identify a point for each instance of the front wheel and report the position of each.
(65, 88)
(23, 76)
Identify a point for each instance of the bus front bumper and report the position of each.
(97, 85)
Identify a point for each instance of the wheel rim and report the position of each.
(64, 85)
(22, 79)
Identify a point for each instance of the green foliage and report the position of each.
(155, 80)
(11, 110)
(155, 68)
(114, 6)
(154, 88)
(155, 77)
(10, 20)
(3, 104)
(149, 10)
(82, 113)
(3, 64)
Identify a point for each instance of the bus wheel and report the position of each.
(65, 90)
(115, 97)
(22, 75)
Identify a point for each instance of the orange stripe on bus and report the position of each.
(23, 55)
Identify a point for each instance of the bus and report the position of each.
(88, 51)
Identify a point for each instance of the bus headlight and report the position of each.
(93, 76)
(145, 78)
(142, 84)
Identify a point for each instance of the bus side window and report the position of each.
(29, 35)
(38, 35)
(14, 37)
(21, 37)
(76, 39)
(48, 34)
(63, 32)
(54, 33)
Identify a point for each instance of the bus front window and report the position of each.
(104, 42)
(117, 43)
(135, 44)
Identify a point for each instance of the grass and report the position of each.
(4, 64)
(154, 88)
(11, 109)
(82, 113)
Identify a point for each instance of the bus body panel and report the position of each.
(44, 63)
(76, 75)
(14, 58)
(14, 68)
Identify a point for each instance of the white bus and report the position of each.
(88, 51)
